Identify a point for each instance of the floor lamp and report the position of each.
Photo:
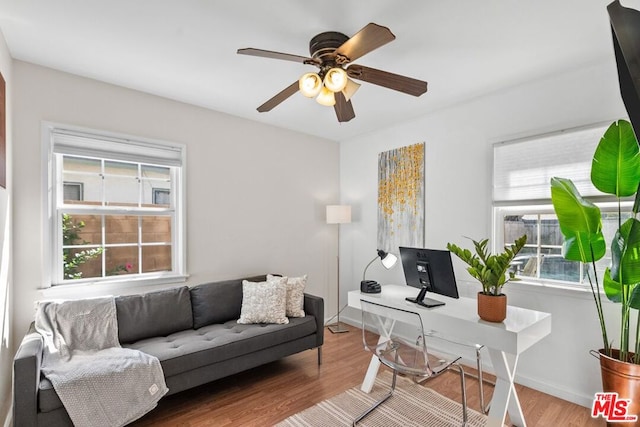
(338, 214)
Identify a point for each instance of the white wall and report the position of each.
(458, 203)
(6, 309)
(255, 194)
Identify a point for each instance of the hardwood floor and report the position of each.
(268, 394)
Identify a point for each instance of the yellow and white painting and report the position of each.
(401, 198)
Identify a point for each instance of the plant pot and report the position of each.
(622, 378)
(492, 308)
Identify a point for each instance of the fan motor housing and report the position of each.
(324, 44)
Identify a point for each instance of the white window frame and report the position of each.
(138, 150)
(498, 225)
(521, 204)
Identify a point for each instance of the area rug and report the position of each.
(410, 405)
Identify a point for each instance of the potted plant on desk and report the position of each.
(615, 170)
(492, 271)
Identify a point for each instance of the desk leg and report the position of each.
(505, 398)
(371, 375)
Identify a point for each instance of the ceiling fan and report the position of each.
(332, 52)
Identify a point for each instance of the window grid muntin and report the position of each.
(608, 209)
(105, 209)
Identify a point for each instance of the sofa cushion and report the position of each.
(218, 302)
(153, 314)
(192, 349)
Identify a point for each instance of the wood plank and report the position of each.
(266, 395)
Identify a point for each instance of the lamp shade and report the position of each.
(350, 89)
(310, 85)
(335, 80)
(326, 97)
(388, 259)
(338, 214)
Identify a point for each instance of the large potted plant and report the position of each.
(615, 170)
(492, 271)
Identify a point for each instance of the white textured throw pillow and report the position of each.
(295, 294)
(264, 302)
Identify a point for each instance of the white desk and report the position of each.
(458, 319)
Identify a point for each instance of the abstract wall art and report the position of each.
(401, 202)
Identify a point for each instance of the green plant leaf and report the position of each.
(625, 253)
(616, 163)
(612, 289)
(580, 222)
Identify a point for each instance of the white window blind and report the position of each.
(88, 145)
(523, 169)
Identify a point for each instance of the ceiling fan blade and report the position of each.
(371, 37)
(397, 82)
(344, 108)
(281, 96)
(277, 55)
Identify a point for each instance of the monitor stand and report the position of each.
(422, 300)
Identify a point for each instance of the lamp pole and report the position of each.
(338, 214)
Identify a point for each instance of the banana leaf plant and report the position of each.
(615, 170)
(491, 270)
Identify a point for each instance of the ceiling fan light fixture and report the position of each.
(326, 97)
(310, 85)
(335, 80)
(350, 89)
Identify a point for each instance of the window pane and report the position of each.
(156, 186)
(122, 260)
(156, 229)
(554, 266)
(121, 229)
(82, 263)
(526, 262)
(517, 225)
(84, 173)
(156, 258)
(121, 183)
(550, 230)
(81, 230)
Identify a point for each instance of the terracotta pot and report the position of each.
(492, 308)
(623, 378)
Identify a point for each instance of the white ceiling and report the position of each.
(186, 49)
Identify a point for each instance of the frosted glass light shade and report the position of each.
(338, 214)
(335, 80)
(326, 97)
(351, 88)
(310, 85)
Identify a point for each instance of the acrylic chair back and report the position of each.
(396, 337)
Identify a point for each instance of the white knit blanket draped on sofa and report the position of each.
(98, 382)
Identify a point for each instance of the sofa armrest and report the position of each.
(314, 306)
(26, 377)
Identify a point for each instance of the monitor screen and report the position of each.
(430, 270)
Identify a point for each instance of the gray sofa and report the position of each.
(194, 333)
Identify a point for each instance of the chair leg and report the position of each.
(480, 381)
(464, 395)
(319, 355)
(379, 402)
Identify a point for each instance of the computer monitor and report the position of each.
(430, 270)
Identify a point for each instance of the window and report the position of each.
(522, 201)
(115, 208)
(73, 191)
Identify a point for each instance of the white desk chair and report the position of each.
(406, 356)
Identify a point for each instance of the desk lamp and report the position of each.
(371, 286)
